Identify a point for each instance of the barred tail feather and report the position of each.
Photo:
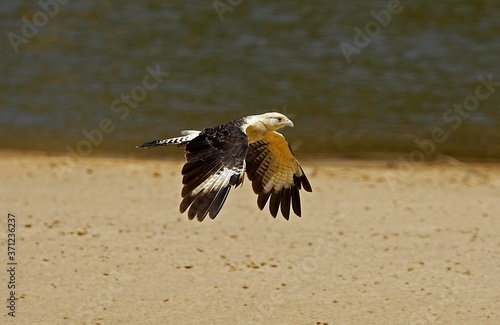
(188, 135)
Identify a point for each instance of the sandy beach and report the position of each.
(103, 242)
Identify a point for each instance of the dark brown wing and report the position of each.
(215, 162)
(276, 175)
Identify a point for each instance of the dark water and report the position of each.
(72, 74)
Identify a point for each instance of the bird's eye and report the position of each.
(279, 119)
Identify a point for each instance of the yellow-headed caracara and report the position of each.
(218, 157)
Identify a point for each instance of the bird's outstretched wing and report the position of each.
(276, 175)
(215, 162)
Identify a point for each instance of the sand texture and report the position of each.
(103, 243)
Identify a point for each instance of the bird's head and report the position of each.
(274, 121)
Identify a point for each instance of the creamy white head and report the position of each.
(268, 122)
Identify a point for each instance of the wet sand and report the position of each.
(103, 243)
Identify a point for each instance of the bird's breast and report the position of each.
(255, 134)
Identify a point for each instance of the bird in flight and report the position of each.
(218, 157)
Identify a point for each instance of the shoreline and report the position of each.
(376, 158)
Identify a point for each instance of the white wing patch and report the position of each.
(209, 197)
(216, 181)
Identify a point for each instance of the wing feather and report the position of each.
(296, 201)
(215, 163)
(215, 194)
(285, 202)
(274, 203)
(276, 175)
(197, 176)
(218, 202)
(262, 199)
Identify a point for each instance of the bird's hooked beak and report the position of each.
(289, 123)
